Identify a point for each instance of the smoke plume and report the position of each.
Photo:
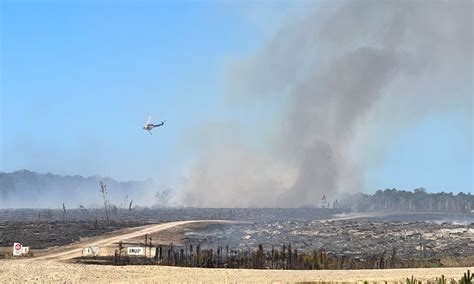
(340, 83)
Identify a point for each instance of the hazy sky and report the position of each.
(78, 80)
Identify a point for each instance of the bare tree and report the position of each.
(64, 213)
(162, 197)
(103, 190)
(48, 214)
(125, 203)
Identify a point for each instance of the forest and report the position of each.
(418, 200)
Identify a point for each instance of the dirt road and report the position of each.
(75, 250)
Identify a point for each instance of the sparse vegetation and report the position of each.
(283, 258)
(412, 281)
(467, 278)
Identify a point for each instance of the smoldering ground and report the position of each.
(339, 83)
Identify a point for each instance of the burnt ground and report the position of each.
(44, 228)
(154, 215)
(45, 234)
(352, 238)
(407, 235)
(411, 235)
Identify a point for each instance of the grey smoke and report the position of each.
(344, 79)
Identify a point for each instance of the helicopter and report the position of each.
(149, 126)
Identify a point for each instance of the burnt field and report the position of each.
(44, 234)
(153, 215)
(357, 238)
(409, 236)
(44, 228)
(364, 241)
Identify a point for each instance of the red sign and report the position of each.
(18, 246)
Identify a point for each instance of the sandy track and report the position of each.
(55, 271)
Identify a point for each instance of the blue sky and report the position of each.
(79, 79)
(435, 153)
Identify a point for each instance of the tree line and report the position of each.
(400, 200)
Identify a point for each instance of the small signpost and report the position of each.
(26, 250)
(17, 249)
(136, 251)
(94, 251)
